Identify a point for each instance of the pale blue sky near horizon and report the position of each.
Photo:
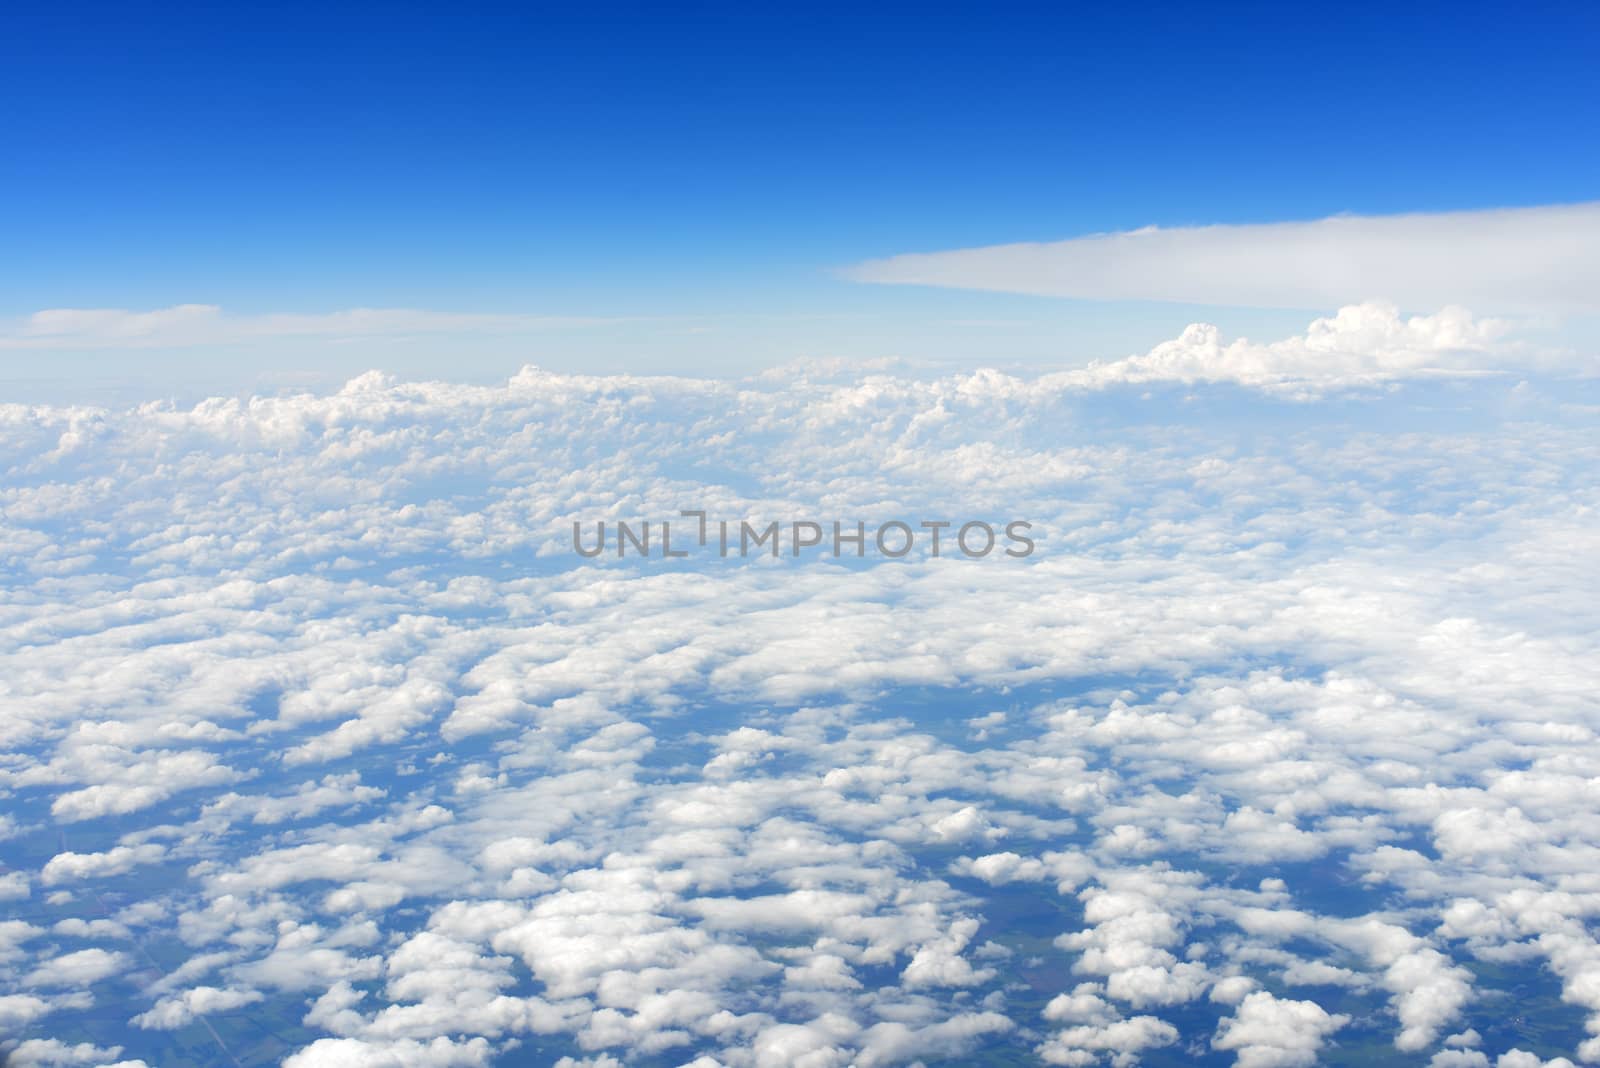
(690, 184)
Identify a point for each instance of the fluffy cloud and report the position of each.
(15, 885)
(79, 969)
(1363, 345)
(1295, 703)
(351, 1053)
(1120, 1040)
(69, 866)
(171, 1013)
(17, 1011)
(1271, 1032)
(53, 1053)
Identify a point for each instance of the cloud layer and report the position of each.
(188, 325)
(320, 747)
(1543, 259)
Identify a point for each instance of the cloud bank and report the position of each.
(1525, 260)
(318, 746)
(1363, 345)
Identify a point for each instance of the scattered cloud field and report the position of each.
(320, 746)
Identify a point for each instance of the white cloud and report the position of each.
(1270, 1032)
(1542, 259)
(66, 867)
(19, 1010)
(78, 969)
(893, 1042)
(309, 799)
(185, 325)
(440, 1052)
(1121, 1040)
(642, 809)
(180, 1010)
(1518, 1058)
(940, 963)
(1362, 345)
(53, 1053)
(997, 869)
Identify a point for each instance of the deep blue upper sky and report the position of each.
(637, 161)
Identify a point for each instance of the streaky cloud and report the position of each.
(184, 325)
(1541, 260)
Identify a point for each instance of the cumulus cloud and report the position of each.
(1539, 259)
(1362, 345)
(997, 869)
(79, 969)
(1295, 700)
(69, 866)
(1271, 1032)
(408, 1053)
(180, 1010)
(1120, 1040)
(15, 886)
(19, 1010)
(53, 1053)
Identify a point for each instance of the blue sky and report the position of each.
(711, 170)
(320, 746)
